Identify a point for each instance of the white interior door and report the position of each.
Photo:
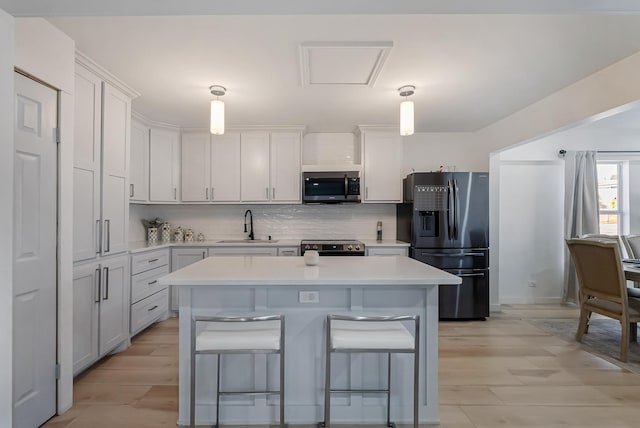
(34, 263)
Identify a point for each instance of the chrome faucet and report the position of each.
(250, 223)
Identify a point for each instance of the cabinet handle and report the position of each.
(273, 193)
(175, 193)
(98, 237)
(206, 193)
(131, 190)
(97, 281)
(153, 282)
(153, 260)
(267, 192)
(106, 283)
(151, 309)
(107, 225)
(204, 254)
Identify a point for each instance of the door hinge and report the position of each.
(57, 135)
(57, 371)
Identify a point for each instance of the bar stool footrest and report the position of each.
(376, 391)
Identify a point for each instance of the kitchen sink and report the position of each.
(247, 241)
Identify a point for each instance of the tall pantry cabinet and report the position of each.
(101, 212)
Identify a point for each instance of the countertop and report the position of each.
(140, 246)
(341, 270)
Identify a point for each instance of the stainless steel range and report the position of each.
(330, 247)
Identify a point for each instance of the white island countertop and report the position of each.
(341, 270)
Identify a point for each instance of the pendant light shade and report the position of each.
(216, 125)
(406, 111)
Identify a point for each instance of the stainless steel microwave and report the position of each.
(331, 187)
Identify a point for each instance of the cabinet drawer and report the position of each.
(289, 251)
(146, 283)
(148, 310)
(149, 260)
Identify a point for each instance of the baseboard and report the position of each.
(531, 301)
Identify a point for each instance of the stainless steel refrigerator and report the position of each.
(445, 217)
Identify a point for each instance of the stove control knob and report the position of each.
(307, 247)
(350, 247)
(315, 247)
(357, 247)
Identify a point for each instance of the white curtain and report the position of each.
(581, 210)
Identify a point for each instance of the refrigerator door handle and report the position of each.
(450, 209)
(456, 205)
(464, 275)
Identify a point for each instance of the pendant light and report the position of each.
(406, 110)
(217, 110)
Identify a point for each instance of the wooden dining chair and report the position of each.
(632, 244)
(602, 288)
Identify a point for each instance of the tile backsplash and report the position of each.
(356, 221)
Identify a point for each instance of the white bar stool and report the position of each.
(236, 335)
(376, 334)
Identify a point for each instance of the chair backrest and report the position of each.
(613, 238)
(632, 242)
(599, 267)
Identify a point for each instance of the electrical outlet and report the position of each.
(309, 297)
(532, 284)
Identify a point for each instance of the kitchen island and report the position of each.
(305, 295)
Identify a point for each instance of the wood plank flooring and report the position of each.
(503, 372)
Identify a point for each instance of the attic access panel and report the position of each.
(342, 63)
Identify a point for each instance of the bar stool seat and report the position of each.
(261, 334)
(376, 334)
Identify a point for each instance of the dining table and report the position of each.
(632, 272)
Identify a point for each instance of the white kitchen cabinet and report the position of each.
(139, 162)
(181, 257)
(243, 251)
(289, 251)
(149, 300)
(387, 251)
(195, 167)
(210, 167)
(225, 167)
(382, 153)
(285, 167)
(164, 165)
(254, 167)
(100, 309)
(101, 166)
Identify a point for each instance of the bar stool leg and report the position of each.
(416, 370)
(389, 390)
(219, 356)
(282, 425)
(327, 380)
(192, 396)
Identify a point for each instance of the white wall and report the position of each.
(48, 54)
(424, 151)
(356, 221)
(6, 217)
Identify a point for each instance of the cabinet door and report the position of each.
(196, 167)
(382, 167)
(139, 163)
(116, 131)
(285, 167)
(86, 164)
(86, 301)
(163, 165)
(225, 167)
(254, 167)
(181, 257)
(113, 303)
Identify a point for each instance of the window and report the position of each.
(611, 196)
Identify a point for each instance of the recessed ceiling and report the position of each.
(469, 70)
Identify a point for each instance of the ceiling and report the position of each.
(470, 70)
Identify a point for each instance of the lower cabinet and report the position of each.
(100, 309)
(181, 257)
(149, 300)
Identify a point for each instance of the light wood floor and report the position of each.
(500, 373)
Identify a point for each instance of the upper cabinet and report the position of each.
(251, 167)
(101, 162)
(210, 167)
(164, 165)
(382, 173)
(139, 177)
